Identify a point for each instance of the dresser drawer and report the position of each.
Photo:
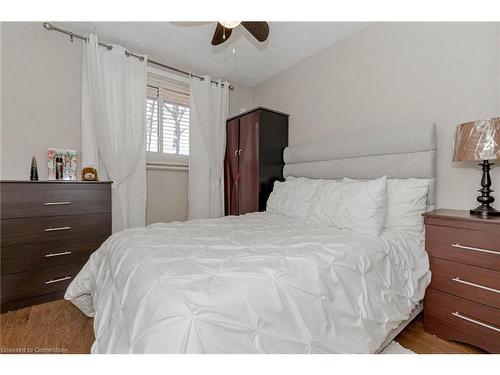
(475, 247)
(29, 284)
(54, 228)
(19, 258)
(454, 318)
(477, 284)
(51, 199)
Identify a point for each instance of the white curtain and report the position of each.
(112, 127)
(207, 143)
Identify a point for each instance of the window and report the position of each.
(167, 116)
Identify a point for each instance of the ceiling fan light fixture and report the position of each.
(229, 24)
(224, 29)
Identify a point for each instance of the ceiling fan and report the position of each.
(260, 30)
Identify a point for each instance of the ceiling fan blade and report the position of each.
(260, 30)
(221, 34)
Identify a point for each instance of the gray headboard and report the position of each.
(397, 154)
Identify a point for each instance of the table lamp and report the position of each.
(479, 141)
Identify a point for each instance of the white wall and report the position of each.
(1, 28)
(167, 195)
(40, 101)
(397, 75)
(240, 100)
(40, 97)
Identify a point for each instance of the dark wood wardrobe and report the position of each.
(255, 141)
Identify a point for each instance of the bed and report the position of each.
(262, 282)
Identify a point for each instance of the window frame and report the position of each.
(157, 158)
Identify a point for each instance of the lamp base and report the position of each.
(485, 198)
(485, 211)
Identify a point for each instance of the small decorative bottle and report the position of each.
(59, 167)
(34, 170)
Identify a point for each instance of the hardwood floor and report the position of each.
(59, 327)
(414, 337)
(54, 327)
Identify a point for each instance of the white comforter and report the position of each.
(258, 283)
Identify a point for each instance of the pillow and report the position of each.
(406, 202)
(292, 197)
(359, 206)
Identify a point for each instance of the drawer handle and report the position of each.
(53, 281)
(50, 255)
(458, 315)
(458, 280)
(56, 203)
(458, 246)
(56, 229)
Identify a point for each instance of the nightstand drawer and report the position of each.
(52, 199)
(475, 247)
(25, 285)
(19, 258)
(55, 228)
(454, 318)
(477, 284)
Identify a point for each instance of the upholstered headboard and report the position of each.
(397, 154)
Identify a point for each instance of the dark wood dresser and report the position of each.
(48, 231)
(462, 302)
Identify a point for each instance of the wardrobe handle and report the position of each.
(240, 151)
(235, 153)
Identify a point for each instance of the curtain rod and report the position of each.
(49, 27)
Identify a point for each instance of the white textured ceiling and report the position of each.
(241, 59)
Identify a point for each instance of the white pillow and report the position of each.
(292, 197)
(359, 206)
(406, 202)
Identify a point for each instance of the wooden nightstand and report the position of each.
(462, 302)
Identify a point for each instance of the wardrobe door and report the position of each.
(249, 163)
(231, 167)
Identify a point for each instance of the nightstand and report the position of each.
(462, 303)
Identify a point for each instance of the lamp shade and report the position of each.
(477, 140)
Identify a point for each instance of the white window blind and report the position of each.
(167, 116)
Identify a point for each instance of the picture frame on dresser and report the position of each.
(462, 302)
(49, 229)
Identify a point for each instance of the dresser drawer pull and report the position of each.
(50, 255)
(458, 280)
(53, 281)
(458, 315)
(56, 203)
(56, 229)
(458, 246)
